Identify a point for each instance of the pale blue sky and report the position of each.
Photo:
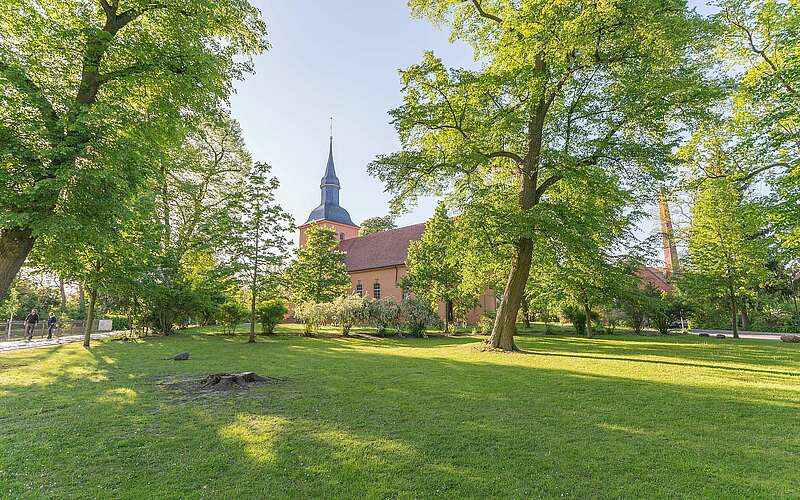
(334, 59)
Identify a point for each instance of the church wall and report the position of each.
(343, 231)
(389, 278)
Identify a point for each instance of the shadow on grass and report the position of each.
(384, 417)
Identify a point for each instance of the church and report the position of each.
(375, 262)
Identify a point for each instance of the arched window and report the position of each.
(360, 289)
(341, 236)
(376, 290)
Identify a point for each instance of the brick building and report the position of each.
(375, 262)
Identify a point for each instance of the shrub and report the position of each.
(348, 311)
(118, 321)
(577, 317)
(269, 313)
(230, 314)
(383, 313)
(417, 315)
(313, 315)
(487, 322)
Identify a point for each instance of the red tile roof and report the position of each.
(384, 249)
(655, 277)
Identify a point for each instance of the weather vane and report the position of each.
(331, 127)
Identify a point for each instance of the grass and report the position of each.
(612, 416)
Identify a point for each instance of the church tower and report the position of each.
(329, 213)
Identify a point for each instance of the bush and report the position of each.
(118, 321)
(230, 314)
(383, 313)
(417, 315)
(269, 313)
(486, 323)
(577, 317)
(313, 315)
(348, 311)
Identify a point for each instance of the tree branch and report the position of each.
(483, 13)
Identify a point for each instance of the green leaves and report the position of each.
(319, 273)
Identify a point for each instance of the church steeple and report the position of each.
(329, 208)
(330, 183)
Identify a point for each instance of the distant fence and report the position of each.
(15, 330)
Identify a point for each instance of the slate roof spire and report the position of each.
(329, 208)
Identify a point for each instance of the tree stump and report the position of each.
(232, 381)
(791, 339)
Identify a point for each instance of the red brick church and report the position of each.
(375, 262)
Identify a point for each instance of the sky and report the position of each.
(337, 59)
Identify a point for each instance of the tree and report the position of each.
(377, 224)
(270, 313)
(259, 241)
(109, 249)
(90, 84)
(564, 93)
(433, 270)
(727, 245)
(318, 273)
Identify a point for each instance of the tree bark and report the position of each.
(588, 312)
(505, 325)
(15, 245)
(89, 327)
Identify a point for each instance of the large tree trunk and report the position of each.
(588, 312)
(89, 327)
(505, 324)
(15, 245)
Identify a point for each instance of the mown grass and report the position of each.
(365, 417)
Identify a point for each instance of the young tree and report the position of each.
(377, 224)
(433, 265)
(62, 115)
(728, 248)
(260, 244)
(577, 91)
(318, 273)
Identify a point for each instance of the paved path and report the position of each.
(743, 335)
(16, 345)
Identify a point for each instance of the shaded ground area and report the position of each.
(425, 418)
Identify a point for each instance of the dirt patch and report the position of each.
(215, 383)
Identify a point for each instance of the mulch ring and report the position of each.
(215, 383)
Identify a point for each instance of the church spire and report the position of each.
(329, 208)
(330, 179)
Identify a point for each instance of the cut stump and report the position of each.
(232, 381)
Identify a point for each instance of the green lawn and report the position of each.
(362, 417)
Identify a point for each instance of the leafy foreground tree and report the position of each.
(434, 265)
(377, 225)
(727, 247)
(565, 92)
(260, 243)
(318, 274)
(98, 84)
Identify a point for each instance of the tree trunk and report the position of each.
(734, 313)
(526, 312)
(588, 312)
(252, 318)
(505, 324)
(87, 332)
(15, 245)
(81, 298)
(745, 317)
(63, 297)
